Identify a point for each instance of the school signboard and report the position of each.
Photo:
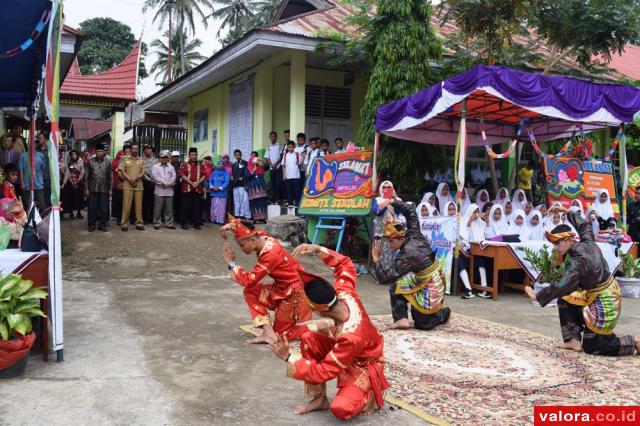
(570, 178)
(339, 185)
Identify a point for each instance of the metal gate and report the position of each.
(162, 138)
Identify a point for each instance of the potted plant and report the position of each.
(630, 281)
(18, 304)
(546, 262)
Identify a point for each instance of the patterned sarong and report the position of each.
(601, 306)
(424, 289)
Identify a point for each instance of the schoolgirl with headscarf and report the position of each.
(482, 197)
(443, 195)
(446, 211)
(472, 229)
(497, 222)
(502, 196)
(536, 230)
(521, 229)
(578, 207)
(519, 199)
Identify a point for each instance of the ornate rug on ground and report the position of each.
(472, 371)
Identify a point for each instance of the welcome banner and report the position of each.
(339, 185)
(441, 232)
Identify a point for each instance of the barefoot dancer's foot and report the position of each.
(317, 404)
(401, 324)
(267, 336)
(572, 344)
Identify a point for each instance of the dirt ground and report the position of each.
(152, 337)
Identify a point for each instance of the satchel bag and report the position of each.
(29, 242)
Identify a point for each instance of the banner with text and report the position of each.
(570, 178)
(441, 232)
(339, 185)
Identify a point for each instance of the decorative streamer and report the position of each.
(537, 149)
(37, 31)
(508, 152)
(614, 145)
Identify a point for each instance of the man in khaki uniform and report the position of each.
(131, 170)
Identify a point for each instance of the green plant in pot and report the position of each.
(630, 281)
(19, 303)
(546, 262)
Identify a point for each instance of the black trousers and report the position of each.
(301, 181)
(191, 209)
(292, 191)
(573, 327)
(116, 204)
(147, 201)
(421, 321)
(98, 209)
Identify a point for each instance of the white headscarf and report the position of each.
(466, 200)
(604, 210)
(539, 208)
(499, 200)
(475, 231)
(508, 217)
(519, 205)
(580, 207)
(536, 232)
(525, 207)
(443, 199)
(445, 212)
(399, 216)
(521, 230)
(426, 196)
(479, 202)
(548, 221)
(495, 228)
(380, 197)
(595, 225)
(419, 210)
(433, 211)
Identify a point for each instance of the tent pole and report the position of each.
(376, 149)
(460, 162)
(624, 172)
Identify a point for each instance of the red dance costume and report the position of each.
(285, 295)
(353, 353)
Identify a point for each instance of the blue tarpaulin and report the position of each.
(22, 49)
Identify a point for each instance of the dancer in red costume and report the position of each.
(350, 350)
(284, 295)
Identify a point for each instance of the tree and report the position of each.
(239, 16)
(403, 46)
(185, 12)
(192, 58)
(587, 30)
(107, 42)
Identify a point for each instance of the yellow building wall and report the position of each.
(271, 102)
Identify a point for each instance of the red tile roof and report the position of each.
(117, 83)
(627, 64)
(85, 129)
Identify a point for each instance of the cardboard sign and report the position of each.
(569, 179)
(339, 185)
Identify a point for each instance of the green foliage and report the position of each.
(18, 304)
(107, 42)
(587, 29)
(630, 266)
(239, 16)
(191, 56)
(546, 263)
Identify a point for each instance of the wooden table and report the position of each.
(503, 260)
(36, 269)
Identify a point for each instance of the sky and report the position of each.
(130, 13)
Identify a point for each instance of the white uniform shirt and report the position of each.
(292, 168)
(273, 153)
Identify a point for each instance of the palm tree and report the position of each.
(242, 15)
(190, 56)
(186, 12)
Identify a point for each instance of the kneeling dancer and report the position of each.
(414, 275)
(351, 350)
(589, 297)
(284, 296)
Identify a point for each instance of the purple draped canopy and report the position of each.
(498, 98)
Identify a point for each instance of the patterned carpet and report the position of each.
(473, 371)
